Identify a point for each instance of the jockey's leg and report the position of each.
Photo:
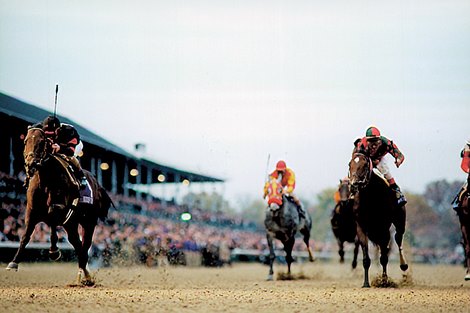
(383, 168)
(299, 205)
(400, 196)
(457, 202)
(78, 171)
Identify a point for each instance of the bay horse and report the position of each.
(463, 212)
(50, 185)
(343, 223)
(282, 222)
(375, 209)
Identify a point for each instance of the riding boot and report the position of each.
(300, 208)
(401, 200)
(457, 202)
(78, 172)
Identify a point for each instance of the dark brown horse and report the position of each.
(343, 222)
(51, 196)
(282, 222)
(375, 209)
(463, 211)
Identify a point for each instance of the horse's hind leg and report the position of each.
(399, 222)
(272, 256)
(74, 239)
(83, 259)
(356, 251)
(466, 243)
(54, 252)
(306, 232)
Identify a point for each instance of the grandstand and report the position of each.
(116, 169)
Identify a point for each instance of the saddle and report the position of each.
(86, 195)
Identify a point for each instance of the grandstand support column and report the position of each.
(93, 166)
(164, 190)
(138, 181)
(149, 182)
(178, 186)
(12, 158)
(126, 179)
(113, 177)
(99, 174)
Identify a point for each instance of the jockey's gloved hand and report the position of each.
(55, 148)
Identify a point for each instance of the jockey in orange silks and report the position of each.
(286, 178)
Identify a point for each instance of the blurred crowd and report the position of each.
(153, 232)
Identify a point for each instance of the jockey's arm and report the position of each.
(396, 153)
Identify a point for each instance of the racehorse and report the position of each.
(343, 222)
(375, 209)
(52, 186)
(282, 222)
(463, 211)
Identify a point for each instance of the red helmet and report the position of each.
(372, 132)
(281, 166)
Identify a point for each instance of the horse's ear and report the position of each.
(340, 181)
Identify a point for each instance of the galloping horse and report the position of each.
(282, 222)
(51, 185)
(463, 211)
(375, 209)
(343, 222)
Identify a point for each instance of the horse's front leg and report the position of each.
(288, 246)
(272, 256)
(363, 240)
(384, 249)
(30, 225)
(399, 222)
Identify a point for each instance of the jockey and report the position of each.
(376, 147)
(286, 177)
(465, 165)
(64, 139)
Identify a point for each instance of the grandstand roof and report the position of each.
(32, 114)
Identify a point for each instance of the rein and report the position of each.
(363, 182)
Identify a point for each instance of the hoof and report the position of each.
(366, 286)
(403, 267)
(467, 277)
(12, 266)
(270, 278)
(88, 283)
(55, 255)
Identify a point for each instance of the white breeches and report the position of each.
(383, 168)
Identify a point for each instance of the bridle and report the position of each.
(356, 181)
(38, 157)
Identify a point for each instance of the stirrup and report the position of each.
(83, 182)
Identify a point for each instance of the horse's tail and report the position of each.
(105, 203)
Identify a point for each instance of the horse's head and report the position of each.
(274, 192)
(360, 170)
(344, 190)
(34, 149)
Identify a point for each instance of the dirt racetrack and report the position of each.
(327, 287)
